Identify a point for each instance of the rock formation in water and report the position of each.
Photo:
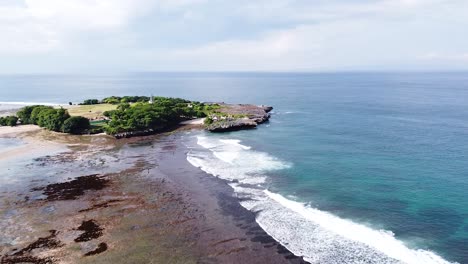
(232, 117)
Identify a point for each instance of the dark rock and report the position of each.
(267, 108)
(135, 134)
(72, 189)
(91, 229)
(100, 248)
(49, 242)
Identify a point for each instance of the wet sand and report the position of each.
(156, 209)
(30, 145)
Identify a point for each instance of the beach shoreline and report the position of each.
(159, 208)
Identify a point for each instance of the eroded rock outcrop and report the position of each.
(231, 117)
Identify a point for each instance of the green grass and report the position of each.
(98, 123)
(90, 111)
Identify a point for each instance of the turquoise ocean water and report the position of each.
(351, 167)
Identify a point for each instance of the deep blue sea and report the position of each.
(352, 167)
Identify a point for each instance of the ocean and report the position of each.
(351, 168)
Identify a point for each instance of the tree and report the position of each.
(123, 106)
(52, 119)
(36, 110)
(90, 102)
(111, 100)
(11, 120)
(24, 114)
(75, 125)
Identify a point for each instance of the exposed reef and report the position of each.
(72, 189)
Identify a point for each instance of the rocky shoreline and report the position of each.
(234, 117)
(133, 200)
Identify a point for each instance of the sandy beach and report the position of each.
(30, 145)
(7, 131)
(126, 201)
(197, 121)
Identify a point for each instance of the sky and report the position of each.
(69, 36)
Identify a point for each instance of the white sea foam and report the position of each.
(317, 235)
(235, 142)
(381, 240)
(233, 161)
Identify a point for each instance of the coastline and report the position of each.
(157, 207)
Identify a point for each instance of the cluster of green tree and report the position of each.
(8, 121)
(141, 115)
(53, 119)
(90, 102)
(162, 113)
(125, 99)
(75, 125)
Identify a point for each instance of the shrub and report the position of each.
(200, 114)
(75, 125)
(12, 120)
(52, 119)
(90, 102)
(8, 121)
(208, 121)
(111, 100)
(36, 110)
(24, 114)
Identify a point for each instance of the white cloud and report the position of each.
(174, 5)
(324, 11)
(299, 48)
(41, 26)
(240, 35)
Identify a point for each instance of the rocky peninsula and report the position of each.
(232, 117)
(134, 116)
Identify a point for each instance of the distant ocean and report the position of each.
(351, 167)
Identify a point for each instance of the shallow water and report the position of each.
(9, 143)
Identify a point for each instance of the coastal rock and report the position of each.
(267, 108)
(135, 133)
(238, 117)
(232, 124)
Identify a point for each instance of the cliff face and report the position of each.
(238, 116)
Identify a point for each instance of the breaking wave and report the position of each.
(318, 236)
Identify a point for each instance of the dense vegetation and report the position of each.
(133, 114)
(162, 113)
(125, 99)
(25, 114)
(52, 119)
(8, 121)
(90, 102)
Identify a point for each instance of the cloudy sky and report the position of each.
(244, 35)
